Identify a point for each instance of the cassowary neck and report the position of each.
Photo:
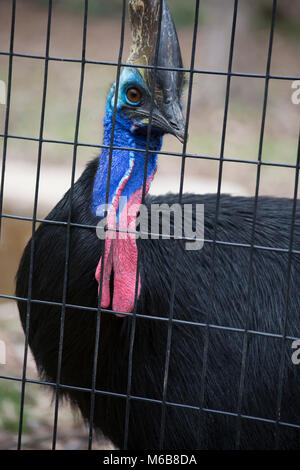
(125, 197)
(127, 166)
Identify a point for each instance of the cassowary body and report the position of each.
(220, 297)
(229, 308)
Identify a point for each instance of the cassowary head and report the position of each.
(144, 96)
(137, 83)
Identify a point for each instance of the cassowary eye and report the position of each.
(133, 95)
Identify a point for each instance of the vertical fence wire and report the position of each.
(68, 228)
(99, 310)
(133, 319)
(172, 296)
(250, 272)
(220, 174)
(34, 217)
(6, 125)
(287, 300)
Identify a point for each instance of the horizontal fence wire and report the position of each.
(155, 401)
(159, 235)
(142, 66)
(170, 320)
(149, 317)
(158, 152)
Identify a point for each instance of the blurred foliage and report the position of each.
(10, 408)
(287, 16)
(182, 11)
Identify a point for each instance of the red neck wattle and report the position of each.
(120, 253)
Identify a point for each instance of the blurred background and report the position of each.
(103, 36)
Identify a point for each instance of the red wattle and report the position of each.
(121, 255)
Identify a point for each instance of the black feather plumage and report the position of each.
(185, 428)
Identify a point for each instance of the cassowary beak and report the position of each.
(168, 85)
(173, 123)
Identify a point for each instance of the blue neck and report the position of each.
(127, 166)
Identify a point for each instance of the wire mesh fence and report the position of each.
(246, 331)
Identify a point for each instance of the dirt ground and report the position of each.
(206, 123)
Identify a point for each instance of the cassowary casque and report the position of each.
(207, 405)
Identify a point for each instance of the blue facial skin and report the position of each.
(123, 162)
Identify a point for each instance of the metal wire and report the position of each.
(287, 302)
(99, 310)
(152, 400)
(155, 235)
(68, 227)
(172, 297)
(133, 324)
(142, 66)
(149, 317)
(158, 152)
(32, 248)
(170, 321)
(9, 79)
(212, 277)
(250, 274)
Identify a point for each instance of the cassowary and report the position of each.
(226, 387)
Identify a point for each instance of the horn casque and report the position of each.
(144, 20)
